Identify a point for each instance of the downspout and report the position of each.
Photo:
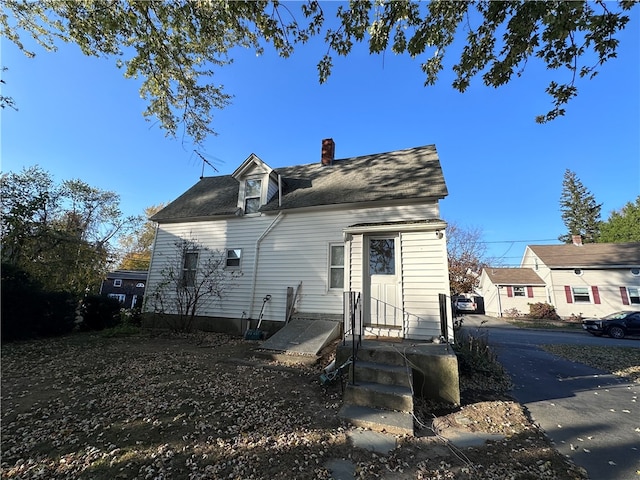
(147, 290)
(255, 260)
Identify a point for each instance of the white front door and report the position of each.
(384, 295)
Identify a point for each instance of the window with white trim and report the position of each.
(634, 295)
(233, 257)
(336, 266)
(635, 272)
(519, 292)
(189, 265)
(117, 282)
(252, 195)
(118, 296)
(581, 294)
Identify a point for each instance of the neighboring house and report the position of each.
(368, 224)
(127, 286)
(506, 289)
(591, 280)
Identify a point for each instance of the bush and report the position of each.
(28, 311)
(99, 312)
(512, 313)
(474, 353)
(543, 311)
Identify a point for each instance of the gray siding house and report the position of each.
(369, 224)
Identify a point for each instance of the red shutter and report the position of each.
(623, 294)
(596, 295)
(568, 294)
(509, 292)
(530, 292)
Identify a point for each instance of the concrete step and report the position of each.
(381, 354)
(377, 395)
(382, 373)
(399, 423)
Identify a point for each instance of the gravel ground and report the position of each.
(160, 406)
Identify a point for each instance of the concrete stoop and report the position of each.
(381, 398)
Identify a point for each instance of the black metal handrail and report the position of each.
(353, 326)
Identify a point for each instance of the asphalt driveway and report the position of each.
(591, 416)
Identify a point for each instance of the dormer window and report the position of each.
(252, 194)
(257, 183)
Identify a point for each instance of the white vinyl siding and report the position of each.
(295, 250)
(424, 277)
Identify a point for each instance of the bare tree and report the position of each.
(193, 278)
(465, 252)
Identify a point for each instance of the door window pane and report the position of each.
(382, 256)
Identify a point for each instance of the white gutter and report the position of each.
(279, 217)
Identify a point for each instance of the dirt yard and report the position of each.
(158, 406)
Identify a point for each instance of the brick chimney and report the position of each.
(577, 240)
(328, 151)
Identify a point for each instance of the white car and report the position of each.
(465, 305)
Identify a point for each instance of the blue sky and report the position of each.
(79, 118)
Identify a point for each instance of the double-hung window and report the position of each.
(634, 295)
(252, 195)
(189, 265)
(233, 257)
(519, 292)
(336, 266)
(581, 294)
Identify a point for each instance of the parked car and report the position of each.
(616, 325)
(464, 305)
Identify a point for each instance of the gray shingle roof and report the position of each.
(128, 274)
(513, 276)
(410, 174)
(589, 255)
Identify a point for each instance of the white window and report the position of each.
(118, 296)
(519, 292)
(189, 265)
(336, 266)
(634, 295)
(635, 272)
(140, 285)
(117, 282)
(252, 194)
(233, 257)
(581, 294)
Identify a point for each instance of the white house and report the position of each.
(507, 290)
(588, 280)
(368, 224)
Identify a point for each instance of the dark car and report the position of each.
(616, 325)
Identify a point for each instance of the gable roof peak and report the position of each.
(252, 161)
